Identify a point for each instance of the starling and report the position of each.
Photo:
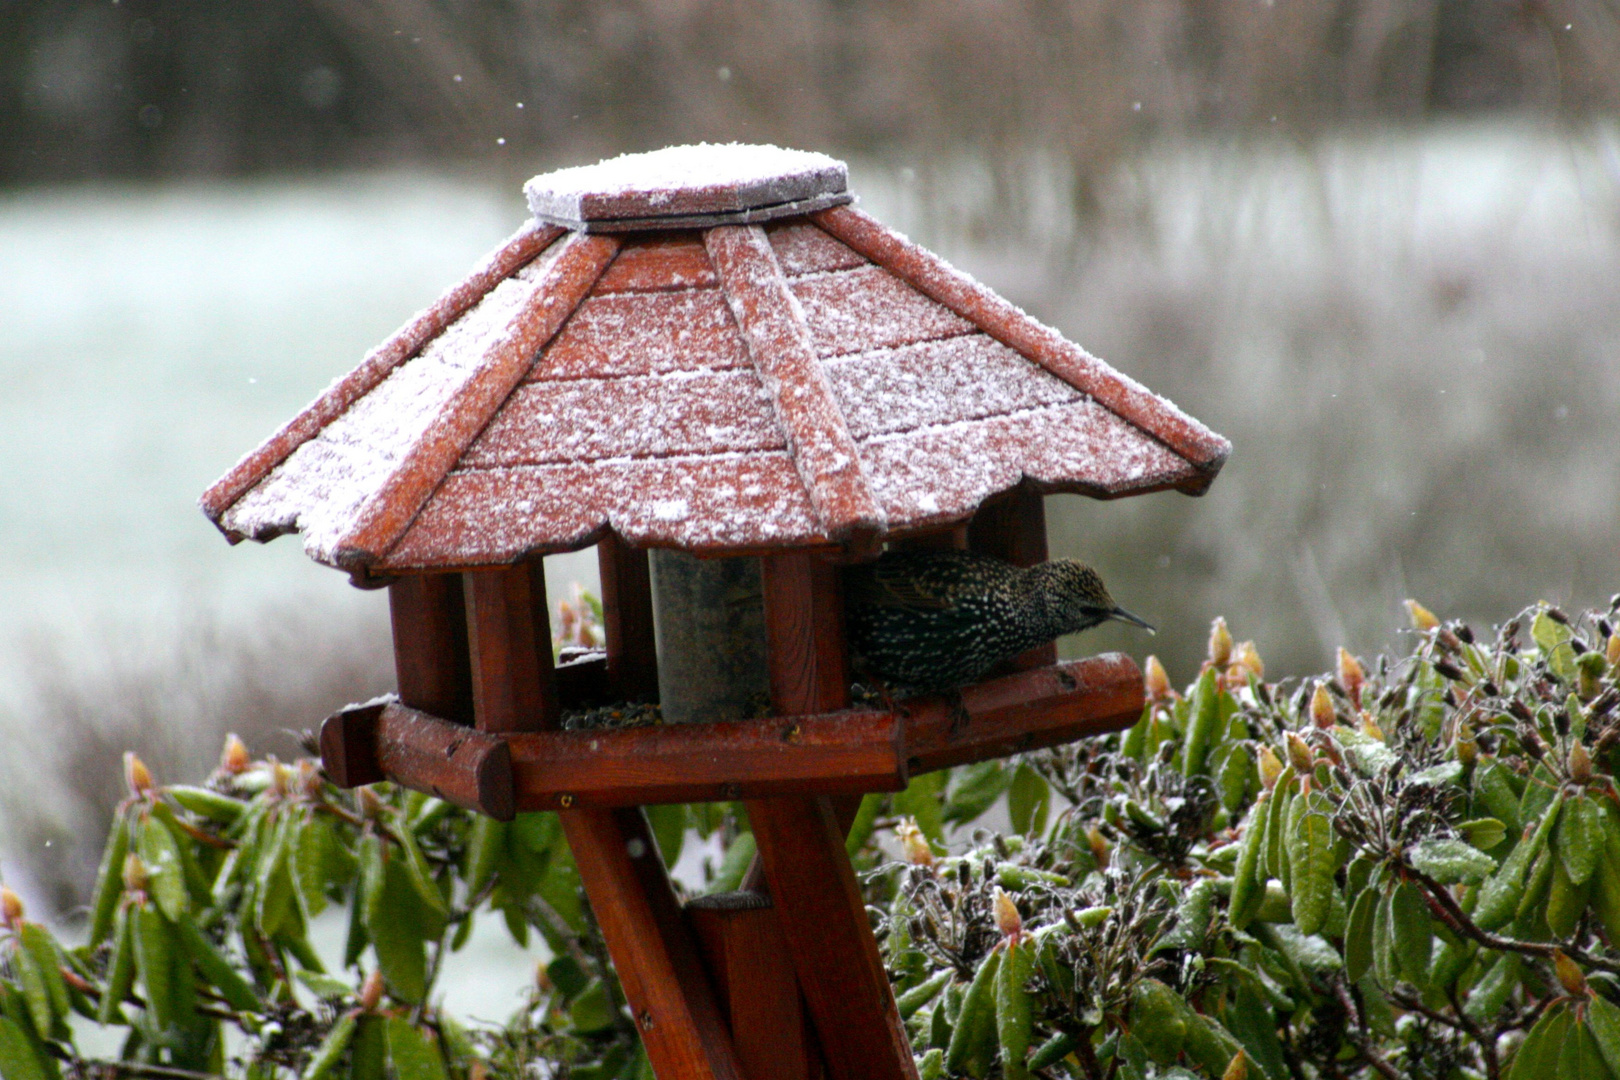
(936, 620)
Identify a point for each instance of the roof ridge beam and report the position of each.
(778, 340)
(383, 518)
(1013, 327)
(405, 343)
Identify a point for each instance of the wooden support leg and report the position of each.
(801, 845)
(653, 951)
(1014, 529)
(743, 949)
(823, 919)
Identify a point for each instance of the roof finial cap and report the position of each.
(683, 187)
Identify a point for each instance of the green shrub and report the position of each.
(1408, 871)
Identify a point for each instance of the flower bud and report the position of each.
(1580, 763)
(1238, 1069)
(1271, 767)
(1370, 727)
(1570, 975)
(1008, 921)
(1248, 656)
(914, 844)
(11, 909)
(134, 873)
(1423, 619)
(1220, 642)
(235, 759)
(1099, 846)
(371, 991)
(1323, 714)
(1157, 679)
(1299, 755)
(1467, 749)
(1351, 676)
(1611, 651)
(136, 775)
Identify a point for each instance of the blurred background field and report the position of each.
(1375, 244)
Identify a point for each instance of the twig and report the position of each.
(1358, 1040)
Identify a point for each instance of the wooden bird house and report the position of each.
(708, 349)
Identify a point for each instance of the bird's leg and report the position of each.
(959, 712)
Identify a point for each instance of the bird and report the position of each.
(940, 620)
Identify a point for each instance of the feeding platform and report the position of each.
(707, 349)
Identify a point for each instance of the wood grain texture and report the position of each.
(528, 242)
(509, 642)
(824, 923)
(845, 752)
(428, 614)
(455, 763)
(779, 346)
(931, 275)
(656, 262)
(743, 949)
(385, 516)
(656, 958)
(804, 632)
(627, 609)
(1025, 711)
(1013, 529)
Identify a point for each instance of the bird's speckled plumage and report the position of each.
(933, 620)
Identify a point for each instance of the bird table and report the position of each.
(706, 349)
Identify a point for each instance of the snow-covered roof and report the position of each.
(811, 381)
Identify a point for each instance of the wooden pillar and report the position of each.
(509, 645)
(814, 893)
(653, 950)
(744, 951)
(1014, 528)
(627, 608)
(431, 664)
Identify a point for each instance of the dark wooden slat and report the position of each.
(848, 752)
(429, 617)
(1014, 528)
(349, 745)
(743, 949)
(509, 640)
(627, 608)
(824, 923)
(949, 540)
(801, 845)
(656, 959)
(582, 682)
(1025, 711)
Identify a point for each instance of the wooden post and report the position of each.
(744, 950)
(627, 609)
(431, 663)
(816, 898)
(509, 643)
(1014, 529)
(653, 951)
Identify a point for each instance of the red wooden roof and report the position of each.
(811, 380)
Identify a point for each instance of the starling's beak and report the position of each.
(1122, 615)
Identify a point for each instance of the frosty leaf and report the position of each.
(1450, 861)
